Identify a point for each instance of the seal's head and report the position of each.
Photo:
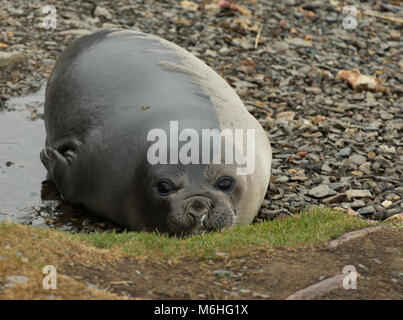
(191, 199)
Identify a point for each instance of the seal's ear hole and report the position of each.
(226, 184)
(165, 187)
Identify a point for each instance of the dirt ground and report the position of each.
(276, 274)
(87, 272)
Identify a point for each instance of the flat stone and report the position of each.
(224, 51)
(319, 289)
(244, 291)
(336, 186)
(366, 210)
(387, 149)
(392, 197)
(356, 193)
(282, 179)
(321, 191)
(286, 115)
(260, 295)
(335, 199)
(326, 168)
(222, 272)
(352, 235)
(345, 152)
(366, 167)
(357, 204)
(363, 267)
(300, 42)
(102, 12)
(352, 213)
(12, 281)
(357, 159)
(387, 203)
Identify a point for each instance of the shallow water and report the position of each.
(22, 136)
(25, 196)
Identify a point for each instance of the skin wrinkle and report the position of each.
(158, 51)
(173, 67)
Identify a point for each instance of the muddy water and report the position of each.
(22, 136)
(25, 195)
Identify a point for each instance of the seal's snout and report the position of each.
(197, 208)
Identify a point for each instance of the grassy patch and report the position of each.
(25, 250)
(311, 226)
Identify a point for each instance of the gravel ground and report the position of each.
(332, 145)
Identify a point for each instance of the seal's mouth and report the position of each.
(200, 214)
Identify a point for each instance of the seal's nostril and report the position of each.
(198, 205)
(197, 209)
(197, 213)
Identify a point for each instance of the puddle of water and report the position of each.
(24, 195)
(22, 137)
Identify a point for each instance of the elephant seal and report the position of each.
(110, 98)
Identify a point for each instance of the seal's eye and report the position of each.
(165, 187)
(225, 184)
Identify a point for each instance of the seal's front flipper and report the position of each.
(59, 168)
(52, 159)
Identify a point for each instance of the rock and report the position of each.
(260, 295)
(224, 51)
(392, 197)
(387, 203)
(335, 199)
(366, 167)
(363, 267)
(282, 179)
(300, 42)
(321, 191)
(12, 281)
(352, 235)
(222, 273)
(189, 5)
(352, 213)
(357, 159)
(357, 204)
(355, 193)
(102, 12)
(270, 214)
(387, 149)
(393, 211)
(8, 59)
(221, 254)
(336, 186)
(286, 115)
(366, 210)
(326, 168)
(319, 289)
(345, 152)
(244, 291)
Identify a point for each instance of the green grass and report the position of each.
(312, 226)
